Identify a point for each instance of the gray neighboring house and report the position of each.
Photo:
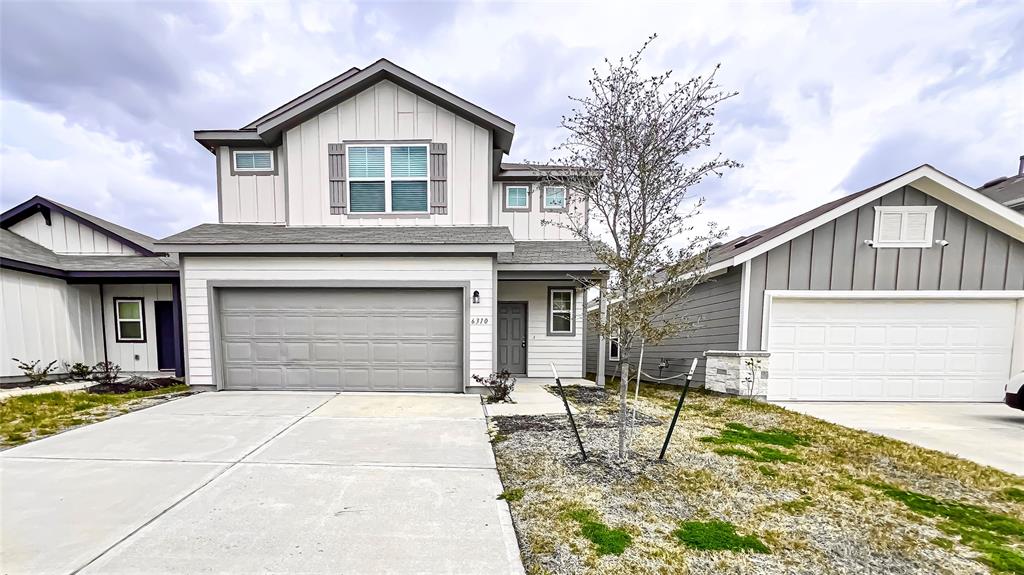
(371, 239)
(911, 290)
(1007, 190)
(77, 288)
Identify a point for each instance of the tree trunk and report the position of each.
(623, 394)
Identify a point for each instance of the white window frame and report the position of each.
(234, 161)
(544, 199)
(523, 208)
(618, 350)
(880, 211)
(141, 320)
(551, 311)
(388, 178)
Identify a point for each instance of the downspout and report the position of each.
(103, 324)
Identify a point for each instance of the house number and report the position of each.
(479, 321)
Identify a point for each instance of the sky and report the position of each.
(98, 100)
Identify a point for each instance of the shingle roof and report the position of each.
(16, 248)
(231, 234)
(1008, 191)
(550, 252)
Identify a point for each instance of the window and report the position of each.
(253, 161)
(903, 226)
(554, 198)
(517, 198)
(389, 178)
(129, 319)
(560, 311)
(613, 348)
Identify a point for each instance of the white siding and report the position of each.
(46, 319)
(196, 272)
(134, 357)
(250, 198)
(68, 236)
(528, 225)
(565, 351)
(385, 112)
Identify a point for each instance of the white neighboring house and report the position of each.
(77, 288)
(371, 239)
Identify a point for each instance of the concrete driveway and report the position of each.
(987, 433)
(247, 482)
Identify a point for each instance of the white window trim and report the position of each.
(388, 178)
(141, 320)
(544, 199)
(234, 161)
(929, 230)
(509, 206)
(572, 311)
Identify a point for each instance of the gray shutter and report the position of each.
(336, 177)
(439, 178)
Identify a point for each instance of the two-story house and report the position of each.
(371, 239)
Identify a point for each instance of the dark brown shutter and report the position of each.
(336, 177)
(439, 178)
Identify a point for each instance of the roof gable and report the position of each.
(38, 204)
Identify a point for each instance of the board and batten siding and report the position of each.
(714, 308)
(528, 225)
(834, 256)
(135, 357)
(68, 236)
(198, 271)
(564, 351)
(385, 112)
(47, 319)
(250, 198)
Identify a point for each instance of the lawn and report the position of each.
(27, 417)
(748, 488)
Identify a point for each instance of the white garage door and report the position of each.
(889, 350)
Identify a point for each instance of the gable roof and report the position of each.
(23, 254)
(37, 204)
(924, 178)
(267, 129)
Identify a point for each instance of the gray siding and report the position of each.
(713, 305)
(834, 257)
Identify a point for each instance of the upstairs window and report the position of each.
(253, 161)
(517, 198)
(561, 319)
(554, 198)
(128, 319)
(389, 178)
(903, 226)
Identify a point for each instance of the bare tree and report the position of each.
(635, 147)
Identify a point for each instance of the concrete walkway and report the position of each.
(987, 433)
(531, 398)
(247, 482)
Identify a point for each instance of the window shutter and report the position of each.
(336, 177)
(439, 178)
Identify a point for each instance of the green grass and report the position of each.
(767, 471)
(717, 536)
(987, 532)
(29, 416)
(738, 440)
(1013, 494)
(514, 494)
(607, 541)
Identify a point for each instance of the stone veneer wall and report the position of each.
(727, 372)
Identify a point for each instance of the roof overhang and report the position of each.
(924, 178)
(90, 276)
(340, 249)
(211, 139)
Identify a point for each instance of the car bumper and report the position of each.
(1014, 400)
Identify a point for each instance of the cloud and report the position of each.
(833, 96)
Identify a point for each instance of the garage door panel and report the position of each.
(342, 339)
(890, 350)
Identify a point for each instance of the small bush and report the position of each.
(35, 374)
(106, 372)
(499, 385)
(514, 494)
(608, 541)
(717, 536)
(77, 371)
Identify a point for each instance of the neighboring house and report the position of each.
(77, 288)
(911, 290)
(371, 239)
(1008, 191)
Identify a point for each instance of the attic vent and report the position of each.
(746, 241)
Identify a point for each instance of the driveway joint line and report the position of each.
(197, 489)
(371, 465)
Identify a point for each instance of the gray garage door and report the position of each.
(341, 339)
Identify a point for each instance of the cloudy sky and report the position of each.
(98, 100)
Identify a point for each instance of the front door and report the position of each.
(512, 337)
(164, 335)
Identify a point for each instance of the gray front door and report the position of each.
(512, 337)
(341, 339)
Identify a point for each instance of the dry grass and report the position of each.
(816, 508)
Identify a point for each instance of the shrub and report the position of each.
(35, 374)
(106, 372)
(499, 385)
(77, 371)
